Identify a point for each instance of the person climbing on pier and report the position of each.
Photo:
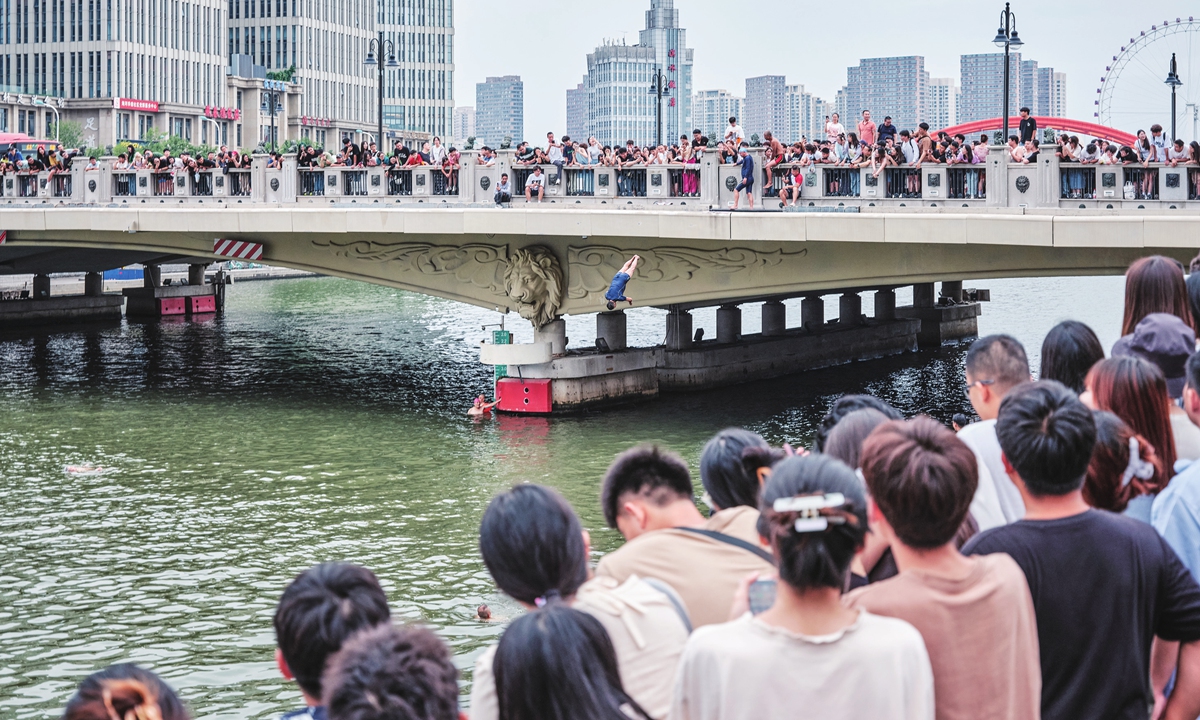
(616, 291)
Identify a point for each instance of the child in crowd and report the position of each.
(318, 612)
(808, 653)
(392, 673)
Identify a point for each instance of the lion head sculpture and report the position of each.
(534, 281)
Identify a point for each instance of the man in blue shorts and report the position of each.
(747, 183)
(616, 291)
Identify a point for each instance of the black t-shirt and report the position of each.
(1103, 586)
(1028, 128)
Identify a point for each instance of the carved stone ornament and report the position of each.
(1108, 179)
(1172, 180)
(274, 183)
(871, 180)
(331, 179)
(530, 278)
(91, 186)
(935, 180)
(603, 180)
(220, 181)
(421, 180)
(1022, 183)
(810, 180)
(180, 180)
(592, 267)
(730, 183)
(141, 181)
(656, 179)
(374, 181)
(485, 182)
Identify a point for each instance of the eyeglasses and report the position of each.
(981, 383)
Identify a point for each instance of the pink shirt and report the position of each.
(866, 132)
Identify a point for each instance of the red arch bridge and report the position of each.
(1055, 123)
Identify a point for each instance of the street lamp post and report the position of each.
(377, 48)
(1175, 83)
(272, 89)
(659, 89)
(1006, 37)
(57, 124)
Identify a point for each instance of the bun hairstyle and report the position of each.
(1115, 475)
(729, 467)
(821, 558)
(532, 544)
(124, 692)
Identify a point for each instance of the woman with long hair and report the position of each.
(1069, 352)
(733, 466)
(1155, 284)
(1124, 465)
(124, 692)
(807, 653)
(559, 664)
(1135, 390)
(537, 552)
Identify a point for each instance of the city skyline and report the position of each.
(819, 63)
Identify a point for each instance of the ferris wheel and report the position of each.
(1133, 95)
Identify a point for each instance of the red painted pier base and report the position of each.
(524, 396)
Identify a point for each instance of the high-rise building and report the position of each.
(893, 86)
(577, 112)
(1057, 102)
(464, 123)
(619, 79)
(418, 95)
(983, 86)
(805, 116)
(766, 105)
(941, 103)
(500, 110)
(1029, 87)
(711, 110)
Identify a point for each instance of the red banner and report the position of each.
(220, 113)
(131, 104)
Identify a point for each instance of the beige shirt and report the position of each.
(705, 572)
(875, 669)
(647, 633)
(980, 631)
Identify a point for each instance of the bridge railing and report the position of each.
(1046, 183)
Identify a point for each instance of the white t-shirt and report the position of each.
(647, 633)
(437, 153)
(735, 133)
(832, 130)
(535, 180)
(876, 669)
(997, 501)
(555, 153)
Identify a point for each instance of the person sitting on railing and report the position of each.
(1178, 153)
(773, 155)
(92, 164)
(554, 156)
(535, 182)
(450, 165)
(1016, 153)
(120, 163)
(793, 183)
(503, 190)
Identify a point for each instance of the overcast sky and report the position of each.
(546, 42)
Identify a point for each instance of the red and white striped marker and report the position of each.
(237, 249)
(3, 236)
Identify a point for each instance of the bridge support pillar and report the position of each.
(93, 284)
(196, 273)
(812, 313)
(774, 318)
(611, 326)
(885, 304)
(555, 333)
(41, 287)
(679, 329)
(729, 324)
(953, 289)
(850, 310)
(152, 276)
(923, 295)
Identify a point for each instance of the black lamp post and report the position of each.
(272, 90)
(377, 48)
(1006, 37)
(659, 89)
(1175, 83)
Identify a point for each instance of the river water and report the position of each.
(323, 419)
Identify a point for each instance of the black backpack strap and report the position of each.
(730, 540)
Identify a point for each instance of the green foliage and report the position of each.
(469, 144)
(288, 75)
(157, 142)
(69, 132)
(94, 152)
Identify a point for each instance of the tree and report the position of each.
(69, 132)
(288, 75)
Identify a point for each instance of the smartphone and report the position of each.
(762, 596)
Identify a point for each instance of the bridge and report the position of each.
(1044, 122)
(556, 258)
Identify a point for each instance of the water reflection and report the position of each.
(317, 420)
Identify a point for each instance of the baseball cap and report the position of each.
(1164, 340)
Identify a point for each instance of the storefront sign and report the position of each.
(131, 104)
(316, 122)
(220, 113)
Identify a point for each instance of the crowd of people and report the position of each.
(53, 159)
(1040, 562)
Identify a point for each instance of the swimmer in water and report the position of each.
(481, 408)
(616, 291)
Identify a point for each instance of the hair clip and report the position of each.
(1137, 468)
(809, 509)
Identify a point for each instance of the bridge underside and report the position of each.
(545, 263)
